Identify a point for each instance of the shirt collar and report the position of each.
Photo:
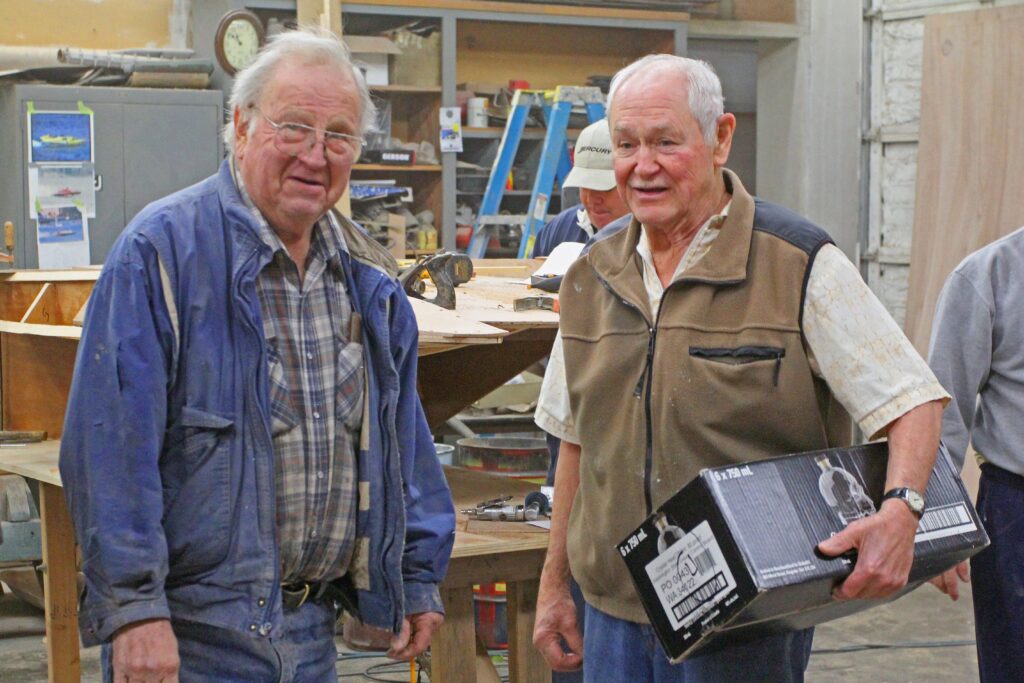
(696, 249)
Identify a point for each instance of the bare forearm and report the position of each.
(913, 443)
(567, 480)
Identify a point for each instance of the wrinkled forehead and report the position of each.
(657, 82)
(322, 87)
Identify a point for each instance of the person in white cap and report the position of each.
(600, 201)
(600, 205)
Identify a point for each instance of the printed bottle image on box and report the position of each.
(732, 556)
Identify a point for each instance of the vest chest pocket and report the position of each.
(743, 355)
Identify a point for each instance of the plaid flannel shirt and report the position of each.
(316, 396)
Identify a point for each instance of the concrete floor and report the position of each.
(924, 618)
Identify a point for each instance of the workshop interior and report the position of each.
(491, 198)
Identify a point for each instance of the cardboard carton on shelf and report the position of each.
(373, 54)
(732, 556)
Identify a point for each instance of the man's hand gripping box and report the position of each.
(732, 557)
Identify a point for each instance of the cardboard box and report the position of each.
(420, 60)
(732, 556)
(396, 235)
(372, 54)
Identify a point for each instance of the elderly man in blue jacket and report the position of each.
(244, 447)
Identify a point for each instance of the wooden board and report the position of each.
(441, 326)
(489, 300)
(36, 378)
(35, 461)
(971, 152)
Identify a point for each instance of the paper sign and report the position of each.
(451, 129)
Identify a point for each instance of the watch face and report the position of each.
(241, 42)
(916, 500)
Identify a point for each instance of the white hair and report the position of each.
(703, 88)
(310, 46)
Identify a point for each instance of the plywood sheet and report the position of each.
(971, 152)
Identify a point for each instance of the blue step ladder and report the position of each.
(556, 106)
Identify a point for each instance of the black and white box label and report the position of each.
(691, 576)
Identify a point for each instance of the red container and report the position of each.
(490, 610)
(517, 457)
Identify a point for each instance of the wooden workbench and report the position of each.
(483, 554)
(464, 354)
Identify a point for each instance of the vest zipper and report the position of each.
(638, 389)
(649, 451)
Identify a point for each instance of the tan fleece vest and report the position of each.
(720, 378)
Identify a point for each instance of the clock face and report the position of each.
(241, 42)
(239, 37)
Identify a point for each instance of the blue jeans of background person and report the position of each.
(304, 653)
(616, 650)
(997, 577)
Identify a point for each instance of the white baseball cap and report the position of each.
(592, 164)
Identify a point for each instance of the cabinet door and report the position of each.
(167, 147)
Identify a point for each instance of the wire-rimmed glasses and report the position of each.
(294, 139)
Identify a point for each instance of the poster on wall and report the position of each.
(60, 137)
(62, 236)
(51, 185)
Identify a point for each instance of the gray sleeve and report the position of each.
(960, 354)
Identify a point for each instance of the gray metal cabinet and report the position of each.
(147, 144)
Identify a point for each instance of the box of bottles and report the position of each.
(732, 557)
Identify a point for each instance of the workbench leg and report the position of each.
(452, 654)
(525, 663)
(60, 586)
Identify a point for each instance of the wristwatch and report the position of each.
(913, 499)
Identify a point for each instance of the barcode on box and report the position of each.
(700, 596)
(941, 522)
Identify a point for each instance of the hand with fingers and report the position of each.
(556, 624)
(146, 652)
(414, 638)
(884, 543)
(949, 581)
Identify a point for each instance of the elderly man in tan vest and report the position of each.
(715, 328)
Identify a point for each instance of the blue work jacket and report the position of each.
(166, 455)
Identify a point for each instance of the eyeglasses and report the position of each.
(294, 139)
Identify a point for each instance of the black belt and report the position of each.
(295, 595)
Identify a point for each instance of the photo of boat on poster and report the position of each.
(53, 185)
(59, 136)
(61, 224)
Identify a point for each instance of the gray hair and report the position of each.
(703, 89)
(312, 47)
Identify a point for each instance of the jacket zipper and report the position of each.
(260, 427)
(745, 354)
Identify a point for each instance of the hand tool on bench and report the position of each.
(446, 270)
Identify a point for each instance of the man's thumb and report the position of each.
(836, 544)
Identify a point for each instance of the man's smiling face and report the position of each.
(292, 192)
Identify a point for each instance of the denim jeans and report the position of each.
(997, 577)
(305, 653)
(615, 650)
